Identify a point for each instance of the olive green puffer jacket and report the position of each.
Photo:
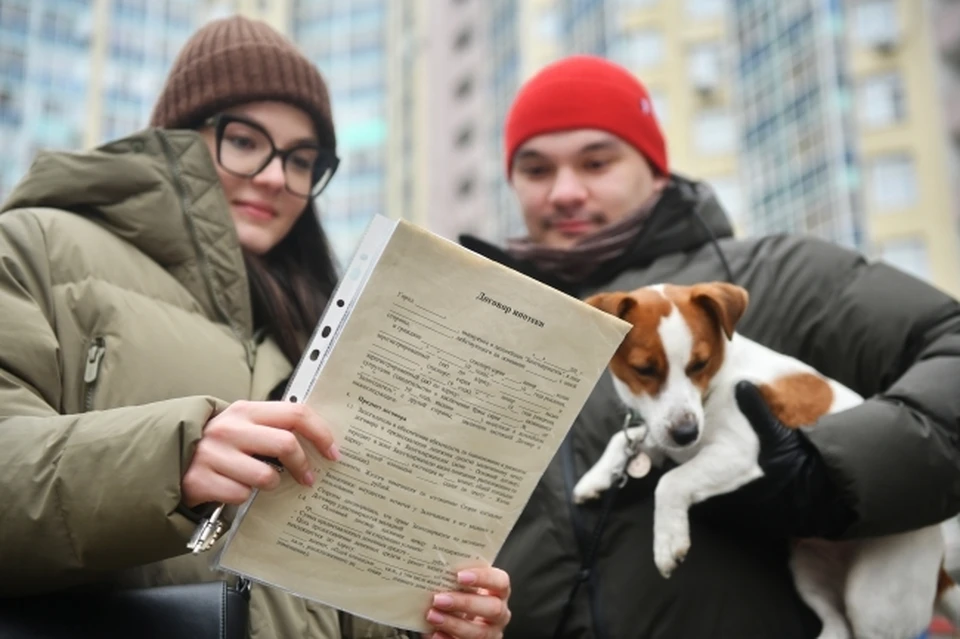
(125, 324)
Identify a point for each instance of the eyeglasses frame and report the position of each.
(222, 120)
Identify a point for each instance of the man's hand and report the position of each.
(796, 494)
(479, 611)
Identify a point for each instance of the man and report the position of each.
(588, 163)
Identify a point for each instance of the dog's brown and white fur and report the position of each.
(678, 367)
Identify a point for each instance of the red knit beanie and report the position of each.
(586, 92)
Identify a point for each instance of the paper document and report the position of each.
(449, 382)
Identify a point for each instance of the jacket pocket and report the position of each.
(91, 371)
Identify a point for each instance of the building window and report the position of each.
(463, 39)
(135, 8)
(909, 255)
(626, 5)
(548, 25)
(714, 132)
(10, 111)
(881, 100)
(464, 88)
(705, 9)
(641, 49)
(729, 194)
(465, 187)
(14, 16)
(464, 137)
(875, 22)
(704, 66)
(51, 107)
(660, 109)
(180, 13)
(13, 63)
(116, 125)
(893, 183)
(60, 24)
(127, 45)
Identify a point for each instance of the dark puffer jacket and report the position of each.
(890, 337)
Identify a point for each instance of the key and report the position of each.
(207, 532)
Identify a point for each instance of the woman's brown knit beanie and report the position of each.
(237, 60)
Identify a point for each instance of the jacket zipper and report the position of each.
(92, 370)
(588, 574)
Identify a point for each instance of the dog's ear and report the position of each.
(726, 302)
(618, 304)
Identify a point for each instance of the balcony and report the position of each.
(947, 29)
(951, 110)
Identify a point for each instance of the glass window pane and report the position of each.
(714, 132)
(875, 22)
(701, 9)
(909, 255)
(881, 100)
(640, 49)
(893, 183)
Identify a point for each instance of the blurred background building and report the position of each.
(838, 118)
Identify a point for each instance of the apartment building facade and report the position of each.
(830, 117)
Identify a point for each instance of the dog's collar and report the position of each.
(633, 418)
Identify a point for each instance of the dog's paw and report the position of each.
(668, 555)
(670, 546)
(589, 487)
(584, 492)
(583, 496)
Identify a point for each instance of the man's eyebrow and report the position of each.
(601, 145)
(529, 153)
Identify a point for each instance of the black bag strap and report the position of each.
(590, 545)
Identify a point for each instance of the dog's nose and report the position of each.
(684, 432)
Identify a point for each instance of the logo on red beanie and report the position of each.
(586, 92)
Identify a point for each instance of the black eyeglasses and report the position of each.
(244, 149)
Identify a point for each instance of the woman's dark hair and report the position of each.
(291, 285)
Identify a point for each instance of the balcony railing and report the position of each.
(947, 29)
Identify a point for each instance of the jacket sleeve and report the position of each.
(65, 514)
(352, 627)
(896, 341)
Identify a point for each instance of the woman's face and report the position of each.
(264, 209)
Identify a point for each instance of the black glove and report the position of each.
(796, 496)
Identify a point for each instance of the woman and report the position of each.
(153, 293)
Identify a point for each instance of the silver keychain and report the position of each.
(207, 532)
(211, 527)
(637, 463)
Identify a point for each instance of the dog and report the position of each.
(678, 368)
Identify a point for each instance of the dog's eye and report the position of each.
(697, 366)
(645, 371)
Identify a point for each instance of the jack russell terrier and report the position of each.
(678, 367)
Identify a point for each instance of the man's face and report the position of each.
(573, 183)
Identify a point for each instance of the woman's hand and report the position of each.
(224, 469)
(479, 611)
